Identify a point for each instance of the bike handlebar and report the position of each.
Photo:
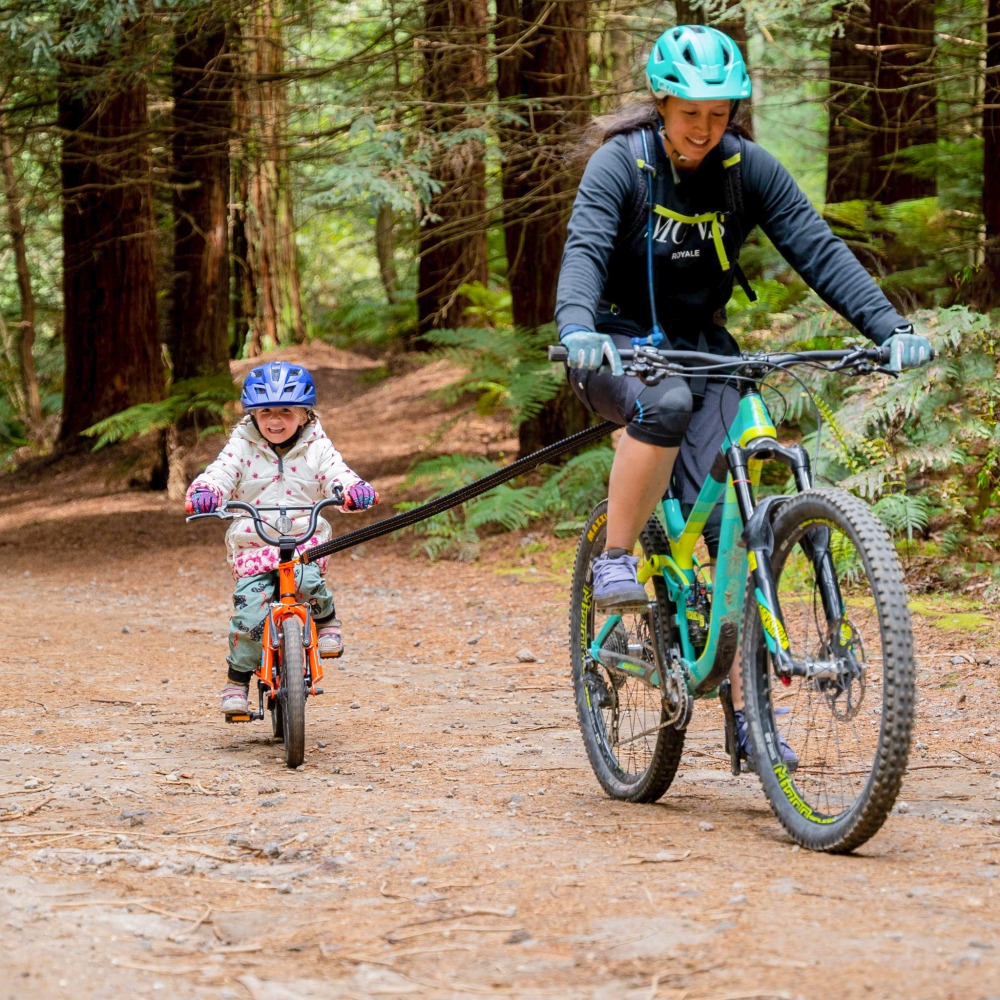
(229, 506)
(694, 359)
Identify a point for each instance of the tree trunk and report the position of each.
(546, 74)
(689, 13)
(203, 120)
(904, 108)
(453, 231)
(270, 302)
(113, 358)
(543, 74)
(848, 162)
(24, 339)
(984, 292)
(385, 252)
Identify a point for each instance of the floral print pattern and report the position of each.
(245, 470)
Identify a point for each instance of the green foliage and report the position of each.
(504, 368)
(924, 448)
(917, 245)
(198, 398)
(904, 513)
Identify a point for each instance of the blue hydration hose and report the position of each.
(656, 336)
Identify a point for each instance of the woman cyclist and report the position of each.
(662, 210)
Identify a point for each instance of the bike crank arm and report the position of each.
(630, 666)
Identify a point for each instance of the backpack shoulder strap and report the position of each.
(731, 149)
(641, 156)
(732, 152)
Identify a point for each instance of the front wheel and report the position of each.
(632, 747)
(292, 693)
(849, 716)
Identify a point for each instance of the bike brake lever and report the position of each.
(220, 514)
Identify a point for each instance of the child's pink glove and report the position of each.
(202, 502)
(360, 496)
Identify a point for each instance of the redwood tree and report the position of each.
(267, 305)
(904, 112)
(985, 292)
(110, 334)
(849, 130)
(453, 230)
(543, 76)
(203, 120)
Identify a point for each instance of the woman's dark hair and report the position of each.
(639, 113)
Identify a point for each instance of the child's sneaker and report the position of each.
(328, 639)
(235, 699)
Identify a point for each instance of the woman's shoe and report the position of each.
(788, 755)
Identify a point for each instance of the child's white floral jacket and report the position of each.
(249, 469)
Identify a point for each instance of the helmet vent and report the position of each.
(688, 54)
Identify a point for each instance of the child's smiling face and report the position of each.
(277, 424)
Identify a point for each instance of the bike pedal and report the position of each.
(240, 717)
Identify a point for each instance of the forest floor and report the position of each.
(445, 836)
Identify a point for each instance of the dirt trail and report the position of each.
(445, 836)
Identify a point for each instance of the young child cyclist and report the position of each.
(277, 454)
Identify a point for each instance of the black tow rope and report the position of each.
(459, 496)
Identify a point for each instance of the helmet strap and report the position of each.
(670, 147)
(671, 151)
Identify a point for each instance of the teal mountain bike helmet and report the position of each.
(278, 383)
(697, 63)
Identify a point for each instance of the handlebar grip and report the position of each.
(557, 352)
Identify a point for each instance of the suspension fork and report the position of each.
(759, 539)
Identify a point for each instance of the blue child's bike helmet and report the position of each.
(698, 64)
(279, 383)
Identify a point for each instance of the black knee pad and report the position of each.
(662, 413)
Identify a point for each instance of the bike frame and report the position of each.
(285, 608)
(745, 545)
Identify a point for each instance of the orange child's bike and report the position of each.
(290, 669)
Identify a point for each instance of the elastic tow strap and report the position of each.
(459, 496)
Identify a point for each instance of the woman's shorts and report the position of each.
(669, 416)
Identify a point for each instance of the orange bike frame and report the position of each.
(287, 607)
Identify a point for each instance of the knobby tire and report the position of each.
(852, 734)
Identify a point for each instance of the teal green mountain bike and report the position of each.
(807, 589)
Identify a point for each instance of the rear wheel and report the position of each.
(632, 749)
(292, 693)
(843, 605)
